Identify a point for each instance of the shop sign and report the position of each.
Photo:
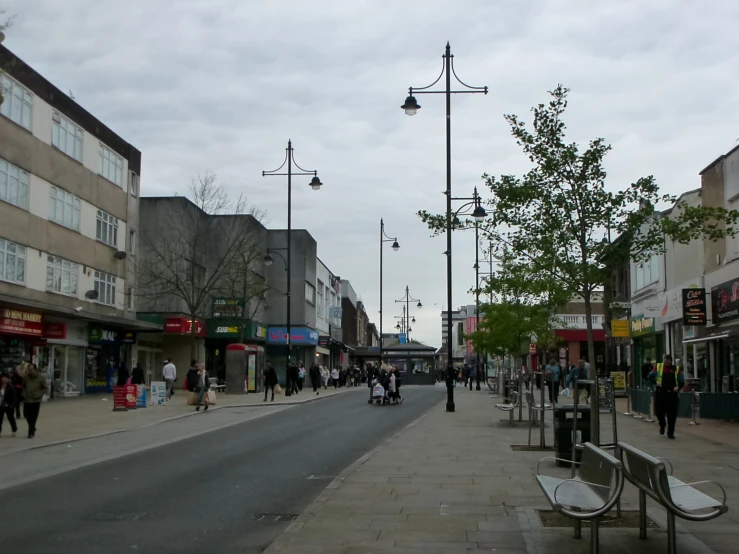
(18, 322)
(324, 340)
(672, 301)
(183, 326)
(55, 331)
(532, 348)
(619, 328)
(619, 381)
(228, 308)
(725, 301)
(129, 337)
(694, 307)
(119, 399)
(260, 332)
(336, 333)
(101, 335)
(298, 336)
(641, 325)
(222, 329)
(158, 393)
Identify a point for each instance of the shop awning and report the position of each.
(580, 335)
(716, 335)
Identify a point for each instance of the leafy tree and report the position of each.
(553, 223)
(5, 23)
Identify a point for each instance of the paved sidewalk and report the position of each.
(450, 483)
(72, 419)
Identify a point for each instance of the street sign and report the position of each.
(621, 305)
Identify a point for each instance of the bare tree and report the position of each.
(193, 250)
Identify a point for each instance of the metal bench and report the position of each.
(650, 475)
(515, 401)
(535, 408)
(589, 495)
(214, 386)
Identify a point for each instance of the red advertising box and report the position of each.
(130, 397)
(120, 402)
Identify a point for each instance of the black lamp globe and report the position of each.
(479, 214)
(411, 106)
(268, 260)
(315, 183)
(419, 305)
(395, 246)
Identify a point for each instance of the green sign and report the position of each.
(641, 325)
(228, 308)
(102, 335)
(223, 328)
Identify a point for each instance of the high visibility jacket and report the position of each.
(679, 377)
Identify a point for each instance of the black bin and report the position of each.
(563, 424)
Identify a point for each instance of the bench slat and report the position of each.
(572, 495)
(688, 498)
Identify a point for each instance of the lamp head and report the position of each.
(479, 214)
(315, 183)
(268, 259)
(411, 106)
(419, 305)
(396, 246)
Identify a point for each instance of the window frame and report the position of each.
(310, 293)
(133, 183)
(19, 252)
(106, 154)
(20, 183)
(55, 263)
(105, 285)
(70, 129)
(68, 202)
(25, 97)
(111, 224)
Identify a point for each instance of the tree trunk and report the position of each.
(589, 323)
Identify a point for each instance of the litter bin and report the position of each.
(563, 424)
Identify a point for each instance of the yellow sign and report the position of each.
(620, 328)
(619, 380)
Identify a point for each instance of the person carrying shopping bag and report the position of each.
(203, 386)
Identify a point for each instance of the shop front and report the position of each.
(181, 344)
(108, 350)
(415, 362)
(323, 352)
(62, 358)
(222, 332)
(648, 337)
(20, 332)
(303, 341)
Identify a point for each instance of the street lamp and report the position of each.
(411, 106)
(315, 184)
(407, 310)
(384, 237)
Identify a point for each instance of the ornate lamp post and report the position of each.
(383, 239)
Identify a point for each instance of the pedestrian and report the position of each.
(17, 381)
(335, 377)
(551, 374)
(301, 375)
(315, 378)
(580, 373)
(270, 381)
(292, 386)
(122, 377)
(669, 379)
(34, 389)
(370, 380)
(391, 387)
(137, 375)
(7, 403)
(472, 376)
(169, 373)
(203, 386)
(646, 370)
(398, 382)
(325, 376)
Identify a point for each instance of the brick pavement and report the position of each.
(73, 419)
(450, 483)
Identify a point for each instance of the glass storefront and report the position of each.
(648, 346)
(13, 351)
(421, 366)
(64, 367)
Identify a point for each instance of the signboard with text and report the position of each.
(228, 308)
(18, 322)
(298, 336)
(694, 307)
(158, 393)
(725, 301)
(183, 326)
(641, 325)
(620, 328)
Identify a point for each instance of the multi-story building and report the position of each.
(69, 200)
(328, 317)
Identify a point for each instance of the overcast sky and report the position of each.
(222, 84)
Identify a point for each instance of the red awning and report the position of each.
(580, 335)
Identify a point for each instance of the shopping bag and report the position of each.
(211, 397)
(192, 398)
(565, 392)
(278, 389)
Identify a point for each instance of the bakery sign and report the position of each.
(694, 307)
(18, 322)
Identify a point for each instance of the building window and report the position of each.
(64, 208)
(105, 287)
(647, 273)
(310, 293)
(66, 136)
(12, 262)
(61, 276)
(111, 165)
(319, 304)
(133, 183)
(14, 183)
(107, 229)
(18, 102)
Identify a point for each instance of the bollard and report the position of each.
(574, 429)
(542, 439)
(628, 402)
(520, 395)
(594, 413)
(693, 408)
(638, 415)
(649, 419)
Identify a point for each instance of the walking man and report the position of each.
(270, 381)
(315, 377)
(670, 380)
(579, 373)
(34, 389)
(169, 373)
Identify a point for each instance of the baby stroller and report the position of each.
(379, 395)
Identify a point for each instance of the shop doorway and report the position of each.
(64, 368)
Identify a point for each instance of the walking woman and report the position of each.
(335, 377)
(270, 381)
(325, 376)
(7, 403)
(203, 385)
(34, 389)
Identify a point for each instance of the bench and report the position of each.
(214, 386)
(515, 401)
(650, 475)
(595, 489)
(534, 408)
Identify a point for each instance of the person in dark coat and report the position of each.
(137, 375)
(294, 374)
(7, 403)
(270, 381)
(122, 376)
(315, 377)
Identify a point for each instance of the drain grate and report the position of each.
(272, 518)
(628, 520)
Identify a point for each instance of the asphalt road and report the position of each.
(207, 493)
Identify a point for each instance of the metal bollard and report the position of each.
(638, 414)
(649, 419)
(693, 408)
(628, 402)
